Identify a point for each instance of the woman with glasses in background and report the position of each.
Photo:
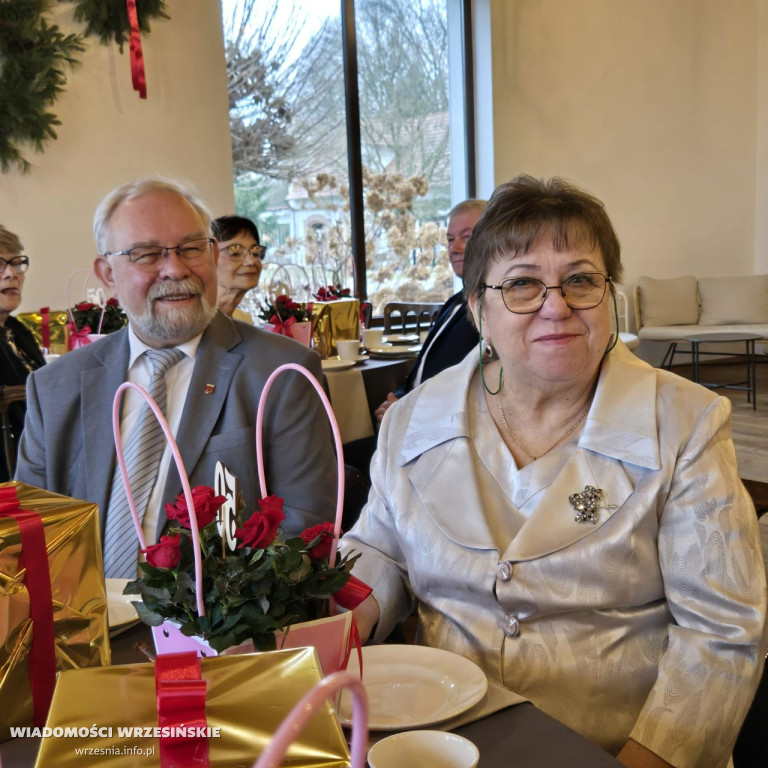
(240, 261)
(19, 353)
(562, 513)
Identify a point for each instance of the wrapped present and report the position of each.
(339, 319)
(237, 702)
(49, 327)
(53, 607)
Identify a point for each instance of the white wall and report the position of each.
(108, 135)
(653, 106)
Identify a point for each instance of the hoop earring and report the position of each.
(480, 346)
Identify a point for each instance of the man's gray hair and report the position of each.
(138, 188)
(472, 204)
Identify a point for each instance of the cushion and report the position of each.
(734, 299)
(674, 301)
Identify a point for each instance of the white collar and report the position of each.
(137, 347)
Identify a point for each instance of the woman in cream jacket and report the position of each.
(570, 519)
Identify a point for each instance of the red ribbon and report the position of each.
(138, 75)
(78, 338)
(45, 328)
(41, 662)
(180, 692)
(352, 593)
(283, 327)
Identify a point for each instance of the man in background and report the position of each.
(452, 335)
(158, 256)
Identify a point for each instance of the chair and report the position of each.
(404, 317)
(622, 308)
(8, 395)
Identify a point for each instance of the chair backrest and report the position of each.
(622, 306)
(409, 316)
(10, 394)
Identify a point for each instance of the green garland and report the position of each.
(33, 57)
(33, 54)
(109, 18)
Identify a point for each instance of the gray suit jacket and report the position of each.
(67, 445)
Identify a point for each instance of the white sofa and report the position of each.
(667, 310)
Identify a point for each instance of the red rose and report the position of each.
(206, 507)
(260, 529)
(84, 306)
(322, 549)
(166, 554)
(113, 302)
(282, 299)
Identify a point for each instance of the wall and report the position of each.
(108, 135)
(651, 105)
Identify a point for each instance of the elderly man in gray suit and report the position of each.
(157, 255)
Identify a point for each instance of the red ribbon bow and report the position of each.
(78, 338)
(283, 327)
(41, 663)
(138, 75)
(180, 692)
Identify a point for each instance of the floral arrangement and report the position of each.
(97, 319)
(262, 588)
(332, 293)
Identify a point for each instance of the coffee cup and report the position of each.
(348, 350)
(437, 749)
(372, 337)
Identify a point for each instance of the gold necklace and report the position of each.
(554, 445)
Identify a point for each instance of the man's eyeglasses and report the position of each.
(238, 252)
(525, 295)
(20, 264)
(150, 256)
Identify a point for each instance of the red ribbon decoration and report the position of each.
(352, 593)
(41, 662)
(180, 692)
(283, 327)
(79, 338)
(138, 75)
(45, 328)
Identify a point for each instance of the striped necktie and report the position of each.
(143, 451)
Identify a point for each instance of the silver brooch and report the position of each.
(586, 504)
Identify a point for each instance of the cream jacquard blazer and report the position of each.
(648, 624)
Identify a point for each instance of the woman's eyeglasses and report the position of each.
(238, 252)
(19, 264)
(525, 295)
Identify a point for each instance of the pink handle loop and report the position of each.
(300, 715)
(182, 474)
(336, 437)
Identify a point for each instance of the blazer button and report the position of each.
(511, 626)
(504, 570)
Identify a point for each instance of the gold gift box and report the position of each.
(334, 320)
(248, 697)
(59, 331)
(81, 633)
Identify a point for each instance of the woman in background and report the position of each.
(19, 353)
(240, 258)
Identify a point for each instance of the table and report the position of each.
(522, 735)
(749, 356)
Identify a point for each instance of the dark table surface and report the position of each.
(520, 736)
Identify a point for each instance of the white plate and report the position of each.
(410, 686)
(334, 364)
(119, 609)
(394, 350)
(403, 338)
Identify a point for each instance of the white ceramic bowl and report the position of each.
(436, 749)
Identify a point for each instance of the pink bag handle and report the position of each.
(300, 715)
(336, 437)
(182, 474)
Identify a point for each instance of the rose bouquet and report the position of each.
(262, 587)
(332, 293)
(106, 319)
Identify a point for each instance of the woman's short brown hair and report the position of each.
(9, 242)
(526, 210)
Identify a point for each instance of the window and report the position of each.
(350, 179)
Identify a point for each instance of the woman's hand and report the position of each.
(366, 617)
(382, 409)
(636, 755)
